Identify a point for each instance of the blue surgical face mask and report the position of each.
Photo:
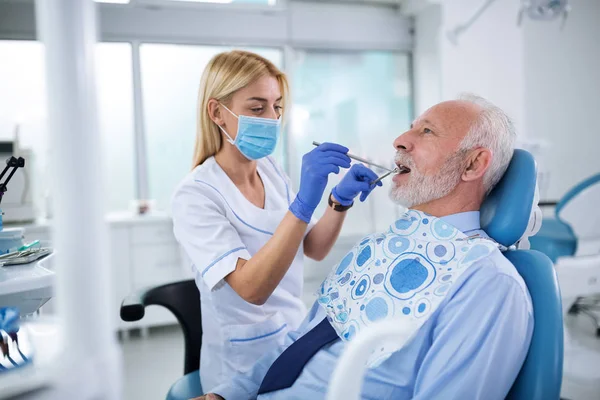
(256, 137)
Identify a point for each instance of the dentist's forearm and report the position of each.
(324, 234)
(256, 279)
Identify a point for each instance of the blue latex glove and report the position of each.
(355, 182)
(316, 166)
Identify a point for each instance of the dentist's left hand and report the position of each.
(355, 182)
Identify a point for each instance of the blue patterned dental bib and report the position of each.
(404, 274)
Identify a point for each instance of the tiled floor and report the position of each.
(153, 363)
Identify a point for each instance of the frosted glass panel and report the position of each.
(23, 102)
(361, 100)
(170, 82)
(116, 117)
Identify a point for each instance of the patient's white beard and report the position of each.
(421, 188)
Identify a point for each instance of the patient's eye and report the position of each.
(427, 130)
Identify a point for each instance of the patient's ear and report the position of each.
(477, 163)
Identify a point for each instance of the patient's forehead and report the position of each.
(452, 118)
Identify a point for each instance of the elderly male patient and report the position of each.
(434, 269)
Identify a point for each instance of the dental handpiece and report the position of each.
(394, 171)
(363, 160)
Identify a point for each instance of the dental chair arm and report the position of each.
(578, 208)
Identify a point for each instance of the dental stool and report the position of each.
(504, 216)
(183, 300)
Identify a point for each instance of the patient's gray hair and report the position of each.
(495, 131)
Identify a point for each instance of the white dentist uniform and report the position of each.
(215, 224)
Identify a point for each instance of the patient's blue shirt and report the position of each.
(472, 346)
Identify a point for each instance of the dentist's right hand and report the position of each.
(317, 164)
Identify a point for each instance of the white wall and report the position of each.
(562, 92)
(546, 79)
(488, 59)
(427, 58)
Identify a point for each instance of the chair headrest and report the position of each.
(505, 212)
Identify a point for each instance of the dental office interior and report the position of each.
(98, 114)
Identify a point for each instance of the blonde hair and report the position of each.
(224, 75)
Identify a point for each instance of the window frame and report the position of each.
(207, 5)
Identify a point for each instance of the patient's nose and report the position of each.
(402, 143)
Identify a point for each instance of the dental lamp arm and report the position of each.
(13, 163)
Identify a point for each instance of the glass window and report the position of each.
(23, 108)
(361, 100)
(170, 81)
(116, 117)
(23, 102)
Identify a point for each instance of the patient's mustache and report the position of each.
(405, 160)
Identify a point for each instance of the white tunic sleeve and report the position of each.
(210, 241)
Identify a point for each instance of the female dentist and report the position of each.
(238, 221)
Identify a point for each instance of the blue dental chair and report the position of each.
(504, 215)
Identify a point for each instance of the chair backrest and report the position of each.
(504, 216)
(540, 377)
(183, 300)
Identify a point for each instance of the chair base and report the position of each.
(590, 307)
(186, 387)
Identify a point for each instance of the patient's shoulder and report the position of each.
(496, 268)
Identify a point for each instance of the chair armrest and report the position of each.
(182, 299)
(175, 296)
(133, 306)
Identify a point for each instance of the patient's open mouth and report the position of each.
(403, 169)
